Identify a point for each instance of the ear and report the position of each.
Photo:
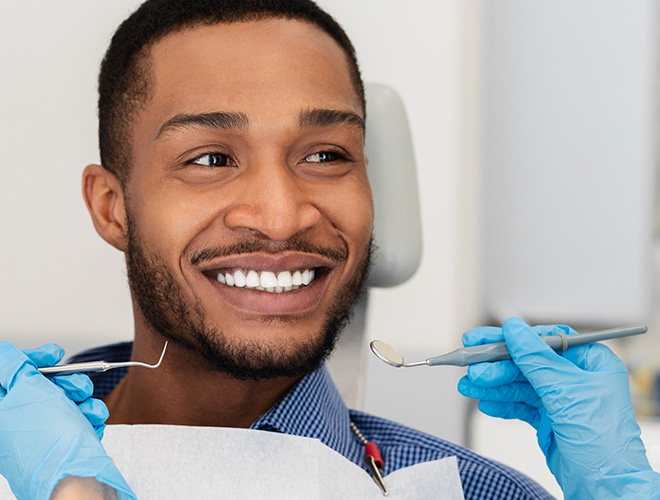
(104, 198)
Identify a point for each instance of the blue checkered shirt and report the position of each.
(314, 408)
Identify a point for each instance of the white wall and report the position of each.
(569, 157)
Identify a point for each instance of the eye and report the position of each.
(325, 157)
(213, 160)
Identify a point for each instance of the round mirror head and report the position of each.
(386, 353)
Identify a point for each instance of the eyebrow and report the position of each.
(232, 120)
(328, 118)
(217, 120)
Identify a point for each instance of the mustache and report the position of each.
(295, 244)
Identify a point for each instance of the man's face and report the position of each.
(249, 206)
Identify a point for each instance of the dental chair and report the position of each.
(397, 228)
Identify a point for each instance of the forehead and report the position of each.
(259, 68)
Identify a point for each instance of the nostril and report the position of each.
(274, 221)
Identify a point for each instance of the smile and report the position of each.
(268, 281)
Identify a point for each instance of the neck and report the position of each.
(186, 390)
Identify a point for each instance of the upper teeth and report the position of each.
(283, 281)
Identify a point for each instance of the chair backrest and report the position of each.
(393, 178)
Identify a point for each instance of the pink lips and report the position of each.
(268, 262)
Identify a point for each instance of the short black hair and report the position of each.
(124, 80)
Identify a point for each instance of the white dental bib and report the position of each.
(162, 462)
(177, 462)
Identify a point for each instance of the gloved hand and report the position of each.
(77, 387)
(44, 434)
(579, 402)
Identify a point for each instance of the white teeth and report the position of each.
(268, 281)
(239, 279)
(284, 279)
(252, 280)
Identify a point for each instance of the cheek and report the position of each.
(170, 217)
(350, 210)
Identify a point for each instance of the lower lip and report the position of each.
(254, 301)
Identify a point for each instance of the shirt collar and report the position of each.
(313, 408)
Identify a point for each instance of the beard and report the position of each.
(166, 310)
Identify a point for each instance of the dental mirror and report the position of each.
(390, 355)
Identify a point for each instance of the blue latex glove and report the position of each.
(579, 402)
(77, 387)
(44, 434)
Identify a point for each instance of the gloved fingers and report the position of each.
(96, 412)
(76, 386)
(46, 355)
(582, 356)
(591, 357)
(517, 392)
(532, 356)
(502, 372)
(482, 335)
(494, 374)
(12, 361)
(594, 358)
(511, 411)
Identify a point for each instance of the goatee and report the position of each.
(170, 314)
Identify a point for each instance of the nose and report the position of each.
(274, 202)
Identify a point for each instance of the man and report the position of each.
(234, 179)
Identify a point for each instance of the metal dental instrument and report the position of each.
(498, 351)
(97, 366)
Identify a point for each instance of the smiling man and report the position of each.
(234, 179)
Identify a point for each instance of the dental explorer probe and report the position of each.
(498, 351)
(97, 366)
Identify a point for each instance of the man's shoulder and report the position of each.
(481, 477)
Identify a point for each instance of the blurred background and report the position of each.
(535, 133)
